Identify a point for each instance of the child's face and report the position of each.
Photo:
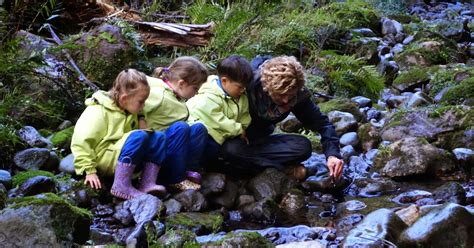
(233, 88)
(185, 90)
(134, 103)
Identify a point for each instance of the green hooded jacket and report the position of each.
(99, 135)
(162, 108)
(223, 116)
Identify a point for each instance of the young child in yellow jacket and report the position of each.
(105, 140)
(222, 105)
(166, 110)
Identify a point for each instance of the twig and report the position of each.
(82, 77)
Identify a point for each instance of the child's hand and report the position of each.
(243, 136)
(142, 123)
(93, 180)
(335, 166)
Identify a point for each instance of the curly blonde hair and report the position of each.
(282, 74)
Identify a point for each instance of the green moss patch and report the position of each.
(413, 76)
(343, 105)
(460, 92)
(198, 222)
(21, 177)
(63, 138)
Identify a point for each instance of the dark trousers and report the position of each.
(277, 151)
(142, 146)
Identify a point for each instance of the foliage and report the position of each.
(446, 77)
(349, 77)
(414, 75)
(460, 92)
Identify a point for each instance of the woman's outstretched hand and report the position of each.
(93, 181)
(335, 166)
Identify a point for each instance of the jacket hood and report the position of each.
(212, 87)
(102, 98)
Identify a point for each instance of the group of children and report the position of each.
(163, 126)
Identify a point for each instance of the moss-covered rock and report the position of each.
(62, 139)
(411, 78)
(462, 92)
(68, 222)
(199, 223)
(177, 238)
(21, 177)
(369, 136)
(343, 105)
(243, 239)
(449, 76)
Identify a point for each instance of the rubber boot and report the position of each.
(148, 181)
(122, 186)
(193, 176)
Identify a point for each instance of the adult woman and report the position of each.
(276, 90)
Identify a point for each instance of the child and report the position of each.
(222, 104)
(105, 141)
(166, 110)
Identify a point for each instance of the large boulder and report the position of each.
(410, 157)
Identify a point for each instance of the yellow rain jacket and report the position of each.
(223, 116)
(162, 108)
(99, 135)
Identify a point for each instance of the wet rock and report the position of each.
(292, 202)
(369, 136)
(366, 32)
(67, 164)
(104, 210)
(303, 244)
(314, 163)
(268, 184)
(263, 210)
(449, 225)
(285, 235)
(31, 136)
(347, 223)
(343, 122)
(228, 196)
(378, 188)
(350, 138)
(413, 156)
(398, 48)
(418, 99)
(176, 238)
(426, 202)
(353, 205)
(378, 226)
(370, 155)
(32, 158)
(121, 214)
(143, 208)
(374, 114)
(347, 152)
(44, 220)
(409, 214)
(357, 167)
(391, 26)
(191, 200)
(408, 40)
(396, 101)
(5, 178)
(244, 239)
(172, 207)
(362, 101)
(464, 158)
(411, 196)
(451, 192)
(243, 200)
(198, 223)
(291, 124)
(100, 237)
(213, 183)
(37, 185)
(52, 163)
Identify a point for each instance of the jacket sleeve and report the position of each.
(88, 132)
(309, 114)
(212, 114)
(246, 119)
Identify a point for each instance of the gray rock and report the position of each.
(440, 94)
(243, 200)
(357, 167)
(5, 178)
(123, 214)
(65, 124)
(408, 39)
(398, 48)
(366, 32)
(32, 158)
(33, 138)
(67, 164)
(418, 99)
(347, 152)
(143, 208)
(213, 183)
(228, 196)
(391, 26)
(292, 202)
(285, 235)
(176, 238)
(191, 200)
(374, 114)
(344, 122)
(262, 210)
(268, 184)
(362, 101)
(411, 196)
(449, 225)
(172, 206)
(350, 138)
(462, 154)
(413, 156)
(37, 185)
(376, 227)
(378, 188)
(451, 192)
(396, 101)
(100, 237)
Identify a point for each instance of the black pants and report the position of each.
(275, 151)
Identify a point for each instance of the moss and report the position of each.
(63, 137)
(460, 92)
(176, 238)
(343, 105)
(397, 118)
(414, 75)
(21, 177)
(315, 140)
(376, 203)
(243, 239)
(448, 77)
(195, 221)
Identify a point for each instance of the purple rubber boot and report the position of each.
(148, 181)
(122, 186)
(193, 176)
